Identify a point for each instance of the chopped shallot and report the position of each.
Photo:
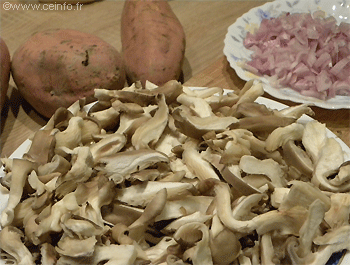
(309, 53)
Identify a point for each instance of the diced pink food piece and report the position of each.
(306, 52)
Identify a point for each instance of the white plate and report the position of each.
(24, 147)
(236, 53)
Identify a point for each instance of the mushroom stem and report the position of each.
(223, 201)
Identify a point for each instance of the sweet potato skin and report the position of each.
(5, 60)
(153, 41)
(54, 68)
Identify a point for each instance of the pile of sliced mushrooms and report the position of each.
(171, 175)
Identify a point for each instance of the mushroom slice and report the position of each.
(123, 95)
(23, 210)
(332, 242)
(42, 147)
(93, 196)
(171, 89)
(109, 145)
(120, 233)
(281, 135)
(11, 243)
(30, 226)
(297, 158)
(48, 254)
(150, 132)
(121, 164)
(120, 213)
(145, 175)
(76, 226)
(203, 92)
(115, 254)
(77, 108)
(296, 111)
(288, 222)
(310, 228)
(197, 235)
(225, 247)
(314, 138)
(195, 162)
(82, 164)
(232, 175)
(90, 127)
(198, 105)
(343, 175)
(138, 228)
(253, 109)
(74, 247)
(216, 227)
(52, 222)
(257, 148)
(158, 253)
(339, 213)
(168, 140)
(303, 194)
(185, 206)
(36, 184)
(71, 136)
(107, 118)
(152, 210)
(193, 217)
(222, 103)
(250, 92)
(195, 127)
(267, 167)
(21, 168)
(278, 195)
(330, 158)
(267, 250)
(59, 119)
(233, 152)
(243, 208)
(129, 122)
(223, 201)
(81, 171)
(267, 124)
(58, 164)
(336, 236)
(142, 194)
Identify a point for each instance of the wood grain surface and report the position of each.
(205, 24)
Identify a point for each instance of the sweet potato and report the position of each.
(56, 67)
(5, 60)
(153, 41)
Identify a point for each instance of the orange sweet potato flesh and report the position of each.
(54, 68)
(153, 42)
(5, 60)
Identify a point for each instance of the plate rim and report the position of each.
(270, 103)
(338, 102)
